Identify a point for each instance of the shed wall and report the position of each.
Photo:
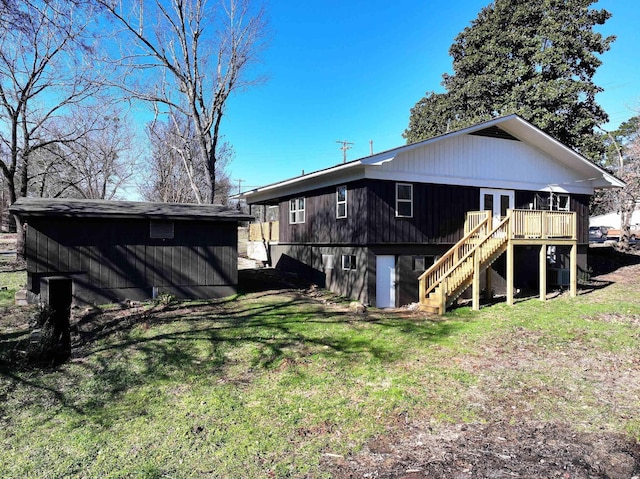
(114, 259)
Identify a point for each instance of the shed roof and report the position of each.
(76, 208)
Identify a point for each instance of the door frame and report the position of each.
(497, 193)
(386, 283)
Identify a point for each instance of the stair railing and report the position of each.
(449, 286)
(432, 277)
(500, 232)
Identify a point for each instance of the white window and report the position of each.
(553, 202)
(560, 202)
(404, 200)
(296, 210)
(348, 261)
(341, 201)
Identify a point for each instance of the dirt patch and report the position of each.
(498, 450)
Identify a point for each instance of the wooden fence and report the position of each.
(264, 231)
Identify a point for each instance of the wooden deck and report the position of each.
(484, 242)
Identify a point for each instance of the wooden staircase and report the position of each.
(463, 264)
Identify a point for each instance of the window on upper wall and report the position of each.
(552, 201)
(348, 261)
(296, 210)
(341, 201)
(561, 202)
(404, 200)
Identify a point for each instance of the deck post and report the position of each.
(510, 273)
(487, 282)
(443, 296)
(475, 303)
(543, 272)
(573, 288)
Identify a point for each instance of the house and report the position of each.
(613, 220)
(370, 228)
(103, 251)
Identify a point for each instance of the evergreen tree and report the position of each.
(536, 59)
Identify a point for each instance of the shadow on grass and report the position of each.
(605, 259)
(227, 341)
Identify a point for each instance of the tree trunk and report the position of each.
(625, 220)
(20, 238)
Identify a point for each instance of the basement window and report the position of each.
(422, 263)
(161, 229)
(348, 261)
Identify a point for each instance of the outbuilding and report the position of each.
(101, 251)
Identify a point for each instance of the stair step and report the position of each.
(427, 308)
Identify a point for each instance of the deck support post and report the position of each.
(543, 272)
(443, 297)
(475, 303)
(573, 265)
(487, 282)
(510, 273)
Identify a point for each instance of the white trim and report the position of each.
(343, 202)
(496, 194)
(403, 177)
(349, 265)
(297, 215)
(404, 200)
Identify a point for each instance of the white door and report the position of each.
(386, 281)
(496, 201)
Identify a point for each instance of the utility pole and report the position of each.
(239, 185)
(344, 148)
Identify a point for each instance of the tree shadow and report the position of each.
(604, 260)
(125, 349)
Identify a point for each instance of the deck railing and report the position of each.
(474, 218)
(536, 224)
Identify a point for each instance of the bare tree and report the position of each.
(44, 70)
(175, 173)
(629, 197)
(622, 157)
(94, 166)
(193, 54)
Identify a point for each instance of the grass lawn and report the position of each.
(267, 384)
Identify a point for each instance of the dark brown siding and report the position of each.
(438, 213)
(321, 224)
(119, 254)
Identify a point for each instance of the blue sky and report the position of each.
(352, 70)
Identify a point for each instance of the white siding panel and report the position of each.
(481, 161)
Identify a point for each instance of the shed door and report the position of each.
(385, 281)
(496, 201)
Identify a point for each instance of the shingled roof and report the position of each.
(75, 208)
